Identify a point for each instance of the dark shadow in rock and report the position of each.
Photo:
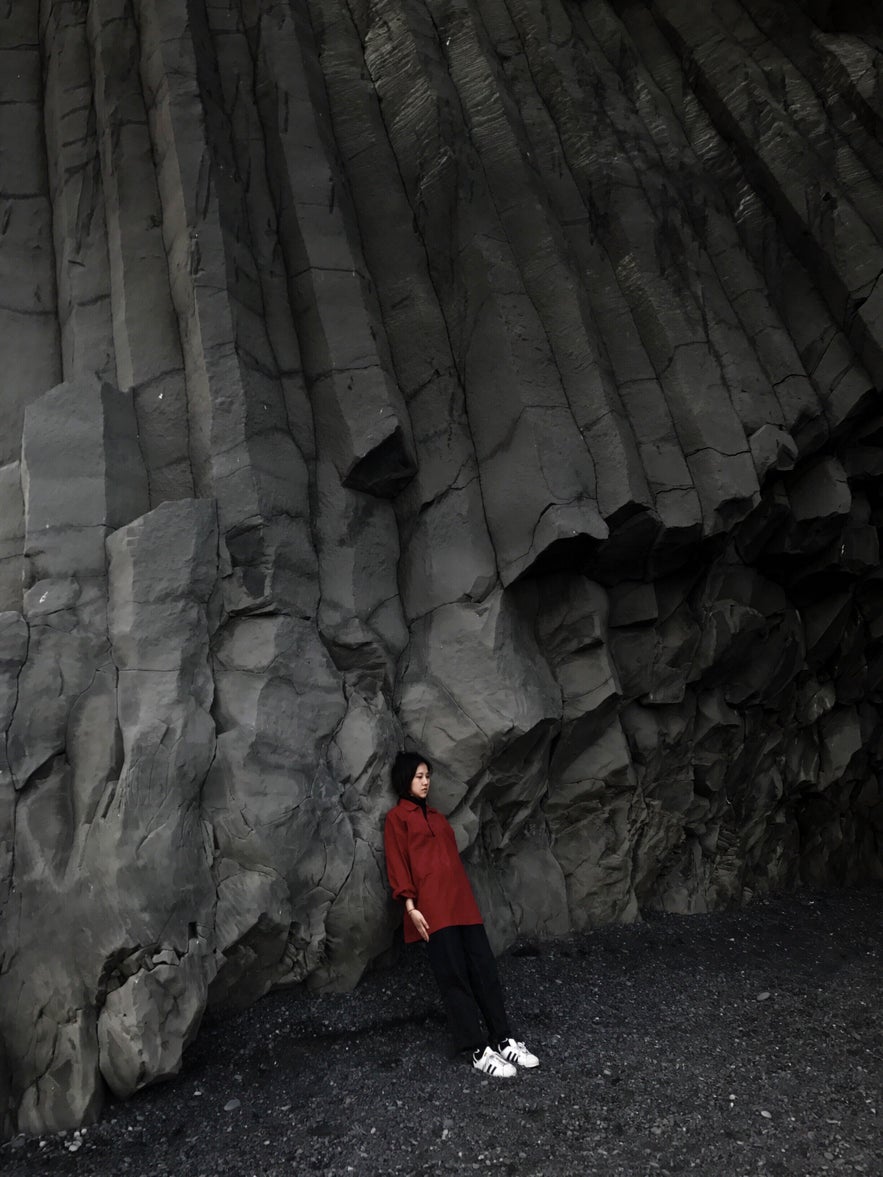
(386, 470)
(563, 555)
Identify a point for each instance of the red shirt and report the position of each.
(423, 864)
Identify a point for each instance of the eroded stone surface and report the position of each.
(496, 379)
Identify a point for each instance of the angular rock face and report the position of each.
(498, 379)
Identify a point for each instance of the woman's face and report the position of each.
(420, 782)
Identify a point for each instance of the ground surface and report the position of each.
(738, 1044)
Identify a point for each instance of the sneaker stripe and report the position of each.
(491, 1062)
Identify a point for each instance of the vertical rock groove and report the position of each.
(145, 327)
(28, 318)
(76, 186)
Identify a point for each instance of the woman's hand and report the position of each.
(419, 923)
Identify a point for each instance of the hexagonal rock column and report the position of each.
(150, 843)
(81, 477)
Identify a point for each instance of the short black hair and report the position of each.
(403, 769)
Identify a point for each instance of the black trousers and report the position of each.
(467, 977)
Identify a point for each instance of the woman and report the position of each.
(425, 870)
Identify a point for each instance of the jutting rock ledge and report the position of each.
(495, 376)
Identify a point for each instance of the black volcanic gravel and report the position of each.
(743, 1043)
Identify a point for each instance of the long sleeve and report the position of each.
(423, 864)
(398, 866)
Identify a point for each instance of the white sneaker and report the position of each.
(493, 1064)
(517, 1052)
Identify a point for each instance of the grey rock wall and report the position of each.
(497, 377)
